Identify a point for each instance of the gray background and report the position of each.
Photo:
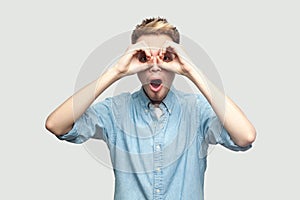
(254, 45)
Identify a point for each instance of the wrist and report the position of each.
(116, 73)
(191, 73)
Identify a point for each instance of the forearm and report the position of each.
(235, 121)
(61, 120)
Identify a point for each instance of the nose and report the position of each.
(155, 67)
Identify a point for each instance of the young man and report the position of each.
(158, 136)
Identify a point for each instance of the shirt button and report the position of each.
(158, 191)
(158, 169)
(157, 147)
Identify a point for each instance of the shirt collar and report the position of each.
(168, 102)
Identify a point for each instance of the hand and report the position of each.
(173, 58)
(134, 60)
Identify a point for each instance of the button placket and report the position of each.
(158, 158)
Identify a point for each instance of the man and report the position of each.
(158, 136)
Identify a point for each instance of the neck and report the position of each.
(155, 103)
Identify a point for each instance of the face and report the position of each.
(156, 81)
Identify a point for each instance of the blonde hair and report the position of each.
(155, 26)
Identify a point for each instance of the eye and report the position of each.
(141, 56)
(168, 57)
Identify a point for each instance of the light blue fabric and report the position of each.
(155, 158)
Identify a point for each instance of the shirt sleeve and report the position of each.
(213, 129)
(90, 124)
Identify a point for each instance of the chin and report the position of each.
(156, 96)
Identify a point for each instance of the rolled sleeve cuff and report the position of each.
(72, 135)
(228, 142)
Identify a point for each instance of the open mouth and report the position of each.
(156, 85)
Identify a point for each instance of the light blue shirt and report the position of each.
(155, 157)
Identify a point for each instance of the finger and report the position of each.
(162, 64)
(162, 51)
(167, 44)
(159, 59)
(141, 51)
(141, 67)
(142, 56)
(168, 67)
(174, 48)
(142, 45)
